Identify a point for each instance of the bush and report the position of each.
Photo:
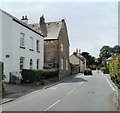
(2, 76)
(47, 67)
(114, 69)
(38, 75)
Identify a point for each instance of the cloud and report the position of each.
(90, 25)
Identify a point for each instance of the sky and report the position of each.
(90, 25)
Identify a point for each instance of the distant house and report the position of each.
(78, 60)
(56, 45)
(21, 47)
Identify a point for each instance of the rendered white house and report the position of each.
(78, 60)
(21, 47)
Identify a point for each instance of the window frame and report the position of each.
(38, 64)
(22, 63)
(22, 40)
(37, 45)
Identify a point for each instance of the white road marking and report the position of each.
(110, 84)
(52, 105)
(71, 91)
(81, 83)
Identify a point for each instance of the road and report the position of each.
(81, 93)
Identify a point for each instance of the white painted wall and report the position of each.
(7, 44)
(0, 35)
(11, 46)
(74, 60)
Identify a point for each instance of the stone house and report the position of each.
(56, 45)
(78, 60)
(21, 47)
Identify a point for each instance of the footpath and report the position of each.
(14, 91)
(116, 94)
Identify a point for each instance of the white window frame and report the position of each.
(61, 63)
(22, 40)
(66, 64)
(22, 61)
(61, 46)
(31, 43)
(38, 45)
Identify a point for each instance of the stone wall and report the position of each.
(63, 39)
(51, 52)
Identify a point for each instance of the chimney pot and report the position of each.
(22, 18)
(26, 17)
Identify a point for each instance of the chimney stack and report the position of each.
(24, 19)
(42, 20)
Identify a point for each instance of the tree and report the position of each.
(106, 52)
(90, 60)
(116, 49)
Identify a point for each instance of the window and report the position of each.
(61, 45)
(66, 64)
(22, 62)
(38, 64)
(61, 63)
(31, 64)
(37, 46)
(31, 43)
(22, 40)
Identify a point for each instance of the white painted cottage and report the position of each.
(21, 47)
(78, 60)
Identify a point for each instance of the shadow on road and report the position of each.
(74, 80)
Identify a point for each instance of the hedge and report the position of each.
(2, 76)
(39, 75)
(114, 69)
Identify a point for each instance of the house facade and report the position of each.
(78, 60)
(56, 45)
(20, 46)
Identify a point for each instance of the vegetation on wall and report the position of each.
(114, 69)
(39, 75)
(2, 76)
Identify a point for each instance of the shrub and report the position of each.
(114, 69)
(47, 67)
(2, 76)
(38, 75)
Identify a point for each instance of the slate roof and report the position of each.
(52, 29)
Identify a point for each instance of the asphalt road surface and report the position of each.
(81, 93)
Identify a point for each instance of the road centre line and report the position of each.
(71, 91)
(110, 84)
(81, 83)
(52, 105)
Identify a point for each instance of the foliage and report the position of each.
(2, 76)
(39, 75)
(90, 60)
(114, 68)
(106, 52)
(47, 67)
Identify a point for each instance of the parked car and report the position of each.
(88, 72)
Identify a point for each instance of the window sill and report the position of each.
(38, 51)
(22, 47)
(31, 49)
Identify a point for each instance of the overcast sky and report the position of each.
(90, 24)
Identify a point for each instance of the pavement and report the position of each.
(14, 91)
(81, 93)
